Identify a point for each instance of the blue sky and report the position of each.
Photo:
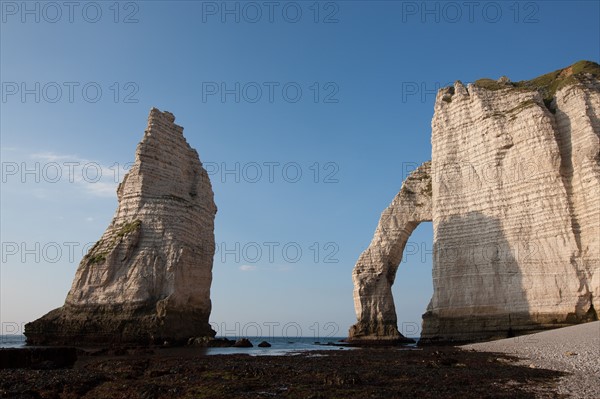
(308, 115)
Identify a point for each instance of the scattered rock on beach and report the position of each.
(243, 343)
(208, 342)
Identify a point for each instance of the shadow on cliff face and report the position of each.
(477, 280)
(579, 169)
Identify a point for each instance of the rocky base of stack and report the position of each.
(376, 334)
(115, 325)
(456, 330)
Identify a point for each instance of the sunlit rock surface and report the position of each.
(148, 277)
(515, 204)
(375, 270)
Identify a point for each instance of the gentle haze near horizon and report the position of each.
(307, 115)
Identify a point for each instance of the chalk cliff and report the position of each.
(515, 205)
(148, 277)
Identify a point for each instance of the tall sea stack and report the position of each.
(148, 277)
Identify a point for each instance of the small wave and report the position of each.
(12, 341)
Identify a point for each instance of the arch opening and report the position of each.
(413, 286)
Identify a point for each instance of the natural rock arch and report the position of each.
(515, 181)
(375, 271)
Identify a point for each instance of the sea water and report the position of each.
(12, 341)
(282, 346)
(279, 345)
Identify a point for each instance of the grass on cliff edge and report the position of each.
(549, 83)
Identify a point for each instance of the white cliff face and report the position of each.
(515, 209)
(578, 124)
(149, 276)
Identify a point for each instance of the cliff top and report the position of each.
(549, 83)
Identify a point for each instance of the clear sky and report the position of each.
(308, 115)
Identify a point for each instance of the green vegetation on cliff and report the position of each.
(101, 249)
(128, 228)
(547, 85)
